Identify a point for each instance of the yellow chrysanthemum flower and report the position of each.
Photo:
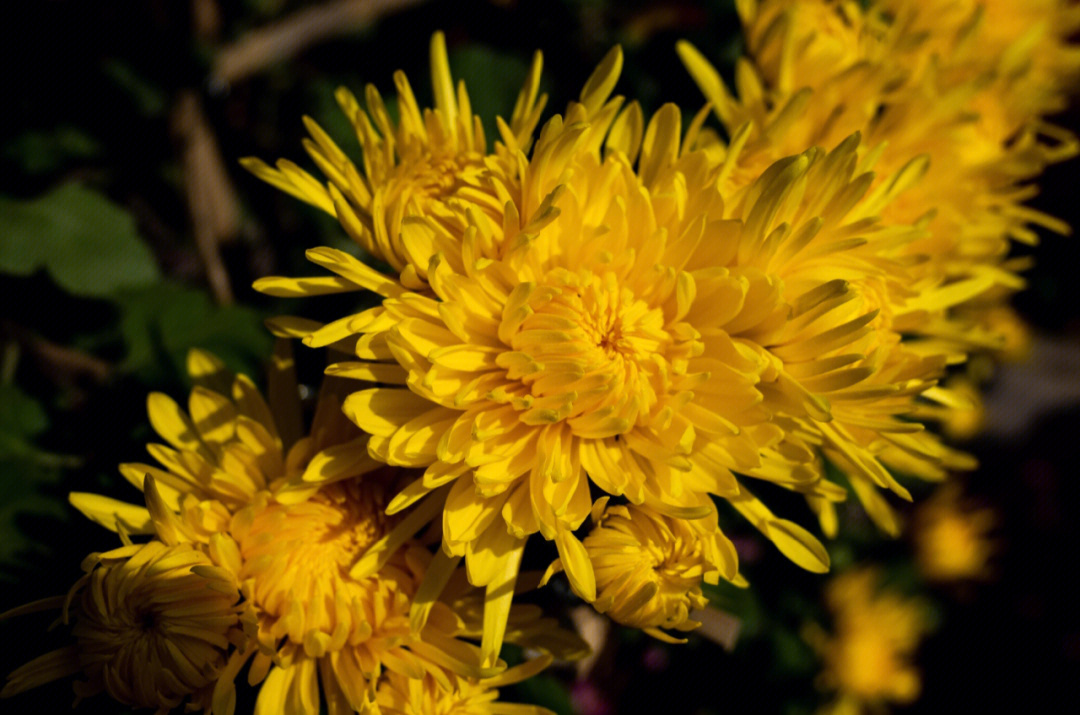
(951, 542)
(548, 359)
(290, 526)
(400, 695)
(810, 80)
(625, 323)
(825, 69)
(649, 567)
(1025, 42)
(151, 629)
(867, 659)
(426, 165)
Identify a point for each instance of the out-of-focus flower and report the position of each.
(152, 630)
(1021, 49)
(1016, 333)
(964, 416)
(867, 658)
(951, 538)
(402, 695)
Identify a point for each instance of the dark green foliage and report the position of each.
(88, 245)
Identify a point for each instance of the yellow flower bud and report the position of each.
(152, 629)
(649, 567)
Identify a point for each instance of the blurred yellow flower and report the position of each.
(1016, 333)
(964, 416)
(822, 69)
(867, 658)
(150, 629)
(951, 539)
(1022, 45)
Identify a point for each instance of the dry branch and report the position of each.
(291, 35)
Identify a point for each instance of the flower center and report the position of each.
(148, 621)
(593, 347)
(433, 176)
(299, 556)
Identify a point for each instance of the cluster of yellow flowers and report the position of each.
(603, 316)
(256, 540)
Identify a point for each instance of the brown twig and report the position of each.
(214, 206)
(596, 630)
(60, 362)
(205, 19)
(291, 35)
(718, 626)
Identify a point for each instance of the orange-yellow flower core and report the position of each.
(600, 348)
(299, 556)
(431, 177)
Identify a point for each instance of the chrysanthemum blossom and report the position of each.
(426, 164)
(1026, 44)
(401, 695)
(841, 382)
(151, 629)
(951, 537)
(626, 326)
(548, 361)
(524, 293)
(867, 659)
(959, 185)
(289, 526)
(894, 85)
(649, 567)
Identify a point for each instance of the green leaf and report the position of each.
(21, 419)
(149, 99)
(22, 467)
(159, 324)
(42, 151)
(19, 479)
(20, 413)
(87, 244)
(792, 653)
